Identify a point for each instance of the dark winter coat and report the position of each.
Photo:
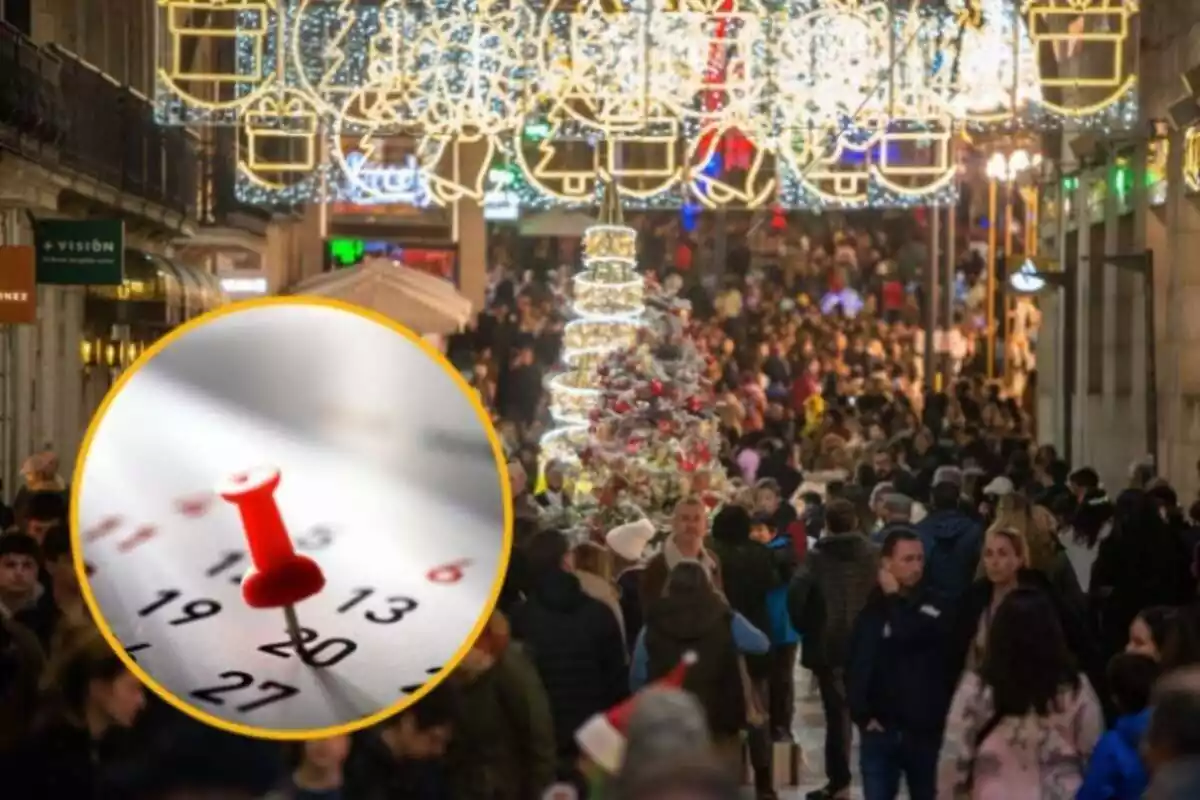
(629, 582)
(749, 573)
(953, 543)
(373, 773)
(827, 594)
(675, 626)
(504, 746)
(64, 761)
(897, 668)
(1130, 574)
(577, 647)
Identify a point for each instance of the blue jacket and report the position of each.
(1115, 771)
(897, 670)
(780, 627)
(953, 543)
(748, 639)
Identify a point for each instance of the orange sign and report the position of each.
(18, 285)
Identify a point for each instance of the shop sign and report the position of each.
(403, 184)
(18, 285)
(86, 252)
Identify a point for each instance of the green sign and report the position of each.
(80, 252)
(347, 252)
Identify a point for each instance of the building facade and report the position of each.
(79, 141)
(1128, 194)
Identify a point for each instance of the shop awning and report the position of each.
(157, 294)
(152, 295)
(422, 302)
(201, 290)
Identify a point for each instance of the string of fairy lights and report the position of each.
(832, 103)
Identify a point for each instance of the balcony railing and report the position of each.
(58, 110)
(31, 109)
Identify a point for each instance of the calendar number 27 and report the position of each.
(235, 681)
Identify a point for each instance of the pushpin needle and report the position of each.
(279, 577)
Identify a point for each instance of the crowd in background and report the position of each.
(979, 618)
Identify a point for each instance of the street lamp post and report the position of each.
(1006, 168)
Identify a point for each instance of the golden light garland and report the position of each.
(633, 91)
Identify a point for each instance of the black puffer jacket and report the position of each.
(576, 645)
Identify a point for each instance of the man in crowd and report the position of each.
(952, 540)
(825, 598)
(896, 682)
(689, 528)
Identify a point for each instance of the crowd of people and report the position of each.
(979, 618)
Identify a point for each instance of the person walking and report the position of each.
(897, 683)
(1026, 723)
(826, 596)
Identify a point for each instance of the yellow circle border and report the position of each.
(405, 702)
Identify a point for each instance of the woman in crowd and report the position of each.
(594, 568)
(76, 749)
(1006, 568)
(1025, 725)
(1090, 524)
(1142, 563)
(692, 617)
(1046, 555)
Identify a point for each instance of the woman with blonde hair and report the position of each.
(594, 569)
(1046, 553)
(1006, 567)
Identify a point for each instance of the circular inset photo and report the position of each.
(291, 518)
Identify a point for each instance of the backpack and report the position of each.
(948, 568)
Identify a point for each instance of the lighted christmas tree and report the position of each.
(607, 306)
(652, 436)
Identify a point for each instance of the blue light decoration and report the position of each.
(848, 300)
(689, 213)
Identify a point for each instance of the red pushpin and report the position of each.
(279, 576)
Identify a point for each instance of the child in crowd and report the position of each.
(1116, 770)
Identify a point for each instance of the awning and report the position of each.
(152, 295)
(201, 290)
(157, 294)
(424, 303)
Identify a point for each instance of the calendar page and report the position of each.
(390, 510)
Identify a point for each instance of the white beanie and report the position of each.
(629, 540)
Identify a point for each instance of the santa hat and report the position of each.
(602, 738)
(629, 540)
